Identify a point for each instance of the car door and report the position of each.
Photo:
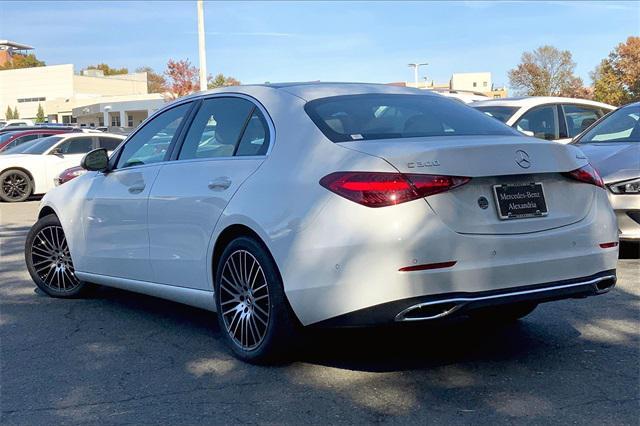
(226, 142)
(542, 121)
(115, 209)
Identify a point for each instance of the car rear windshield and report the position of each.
(502, 113)
(622, 126)
(392, 116)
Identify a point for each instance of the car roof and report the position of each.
(529, 101)
(89, 135)
(309, 91)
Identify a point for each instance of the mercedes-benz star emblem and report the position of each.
(522, 159)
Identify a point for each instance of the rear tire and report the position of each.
(506, 313)
(253, 313)
(15, 186)
(49, 260)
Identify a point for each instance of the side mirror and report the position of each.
(57, 152)
(96, 160)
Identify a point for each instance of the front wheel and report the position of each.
(253, 313)
(49, 260)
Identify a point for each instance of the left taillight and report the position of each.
(586, 174)
(380, 189)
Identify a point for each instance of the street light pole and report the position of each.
(202, 51)
(415, 71)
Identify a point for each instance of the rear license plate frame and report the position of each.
(528, 191)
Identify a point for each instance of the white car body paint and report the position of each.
(526, 104)
(335, 256)
(45, 167)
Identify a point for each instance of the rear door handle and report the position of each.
(136, 189)
(220, 184)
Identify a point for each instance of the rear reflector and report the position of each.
(609, 245)
(586, 174)
(427, 266)
(377, 189)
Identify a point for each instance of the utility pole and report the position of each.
(415, 71)
(202, 51)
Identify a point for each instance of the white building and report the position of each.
(119, 113)
(59, 90)
(471, 81)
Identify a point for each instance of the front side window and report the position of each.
(37, 146)
(622, 125)
(80, 145)
(26, 138)
(541, 121)
(579, 118)
(373, 116)
(150, 143)
(216, 128)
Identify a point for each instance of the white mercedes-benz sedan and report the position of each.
(293, 205)
(31, 168)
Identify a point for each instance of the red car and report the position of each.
(13, 139)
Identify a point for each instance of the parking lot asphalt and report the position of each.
(119, 357)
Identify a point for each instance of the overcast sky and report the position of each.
(331, 41)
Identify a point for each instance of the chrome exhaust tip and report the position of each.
(428, 311)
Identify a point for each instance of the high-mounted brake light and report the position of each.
(378, 189)
(586, 174)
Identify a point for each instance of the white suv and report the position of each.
(545, 117)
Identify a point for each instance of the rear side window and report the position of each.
(373, 116)
(580, 117)
(254, 139)
(217, 129)
(109, 143)
(26, 138)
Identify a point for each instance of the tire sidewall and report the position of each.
(282, 323)
(4, 174)
(49, 220)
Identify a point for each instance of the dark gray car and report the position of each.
(613, 148)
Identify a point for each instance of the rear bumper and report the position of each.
(458, 304)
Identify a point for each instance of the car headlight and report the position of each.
(626, 187)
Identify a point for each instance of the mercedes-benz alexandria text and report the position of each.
(287, 206)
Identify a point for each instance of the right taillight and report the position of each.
(379, 189)
(586, 174)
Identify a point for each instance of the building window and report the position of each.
(22, 100)
(484, 83)
(115, 120)
(475, 84)
(129, 120)
(101, 121)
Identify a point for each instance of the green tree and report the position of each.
(546, 71)
(221, 81)
(16, 114)
(40, 114)
(9, 113)
(107, 70)
(22, 61)
(616, 79)
(156, 83)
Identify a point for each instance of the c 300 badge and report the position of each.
(416, 164)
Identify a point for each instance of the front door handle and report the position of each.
(136, 189)
(220, 184)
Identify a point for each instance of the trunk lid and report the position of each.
(490, 161)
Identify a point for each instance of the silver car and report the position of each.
(613, 148)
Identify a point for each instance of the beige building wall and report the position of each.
(34, 83)
(59, 90)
